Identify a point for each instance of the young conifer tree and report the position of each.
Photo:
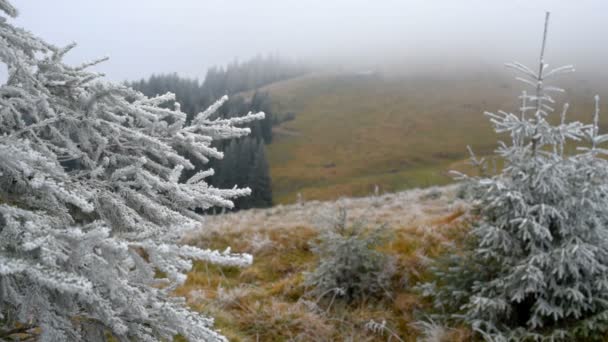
(537, 268)
(92, 205)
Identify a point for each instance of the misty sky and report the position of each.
(187, 36)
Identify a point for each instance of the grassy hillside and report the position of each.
(269, 301)
(354, 131)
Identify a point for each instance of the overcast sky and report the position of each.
(186, 36)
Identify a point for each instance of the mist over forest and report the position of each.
(189, 36)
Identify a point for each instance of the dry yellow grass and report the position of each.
(269, 301)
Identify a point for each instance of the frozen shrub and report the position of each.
(536, 265)
(349, 264)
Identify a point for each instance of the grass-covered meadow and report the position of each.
(395, 129)
(269, 301)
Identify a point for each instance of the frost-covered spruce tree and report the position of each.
(537, 265)
(92, 202)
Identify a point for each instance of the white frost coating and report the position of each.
(223, 258)
(542, 234)
(201, 117)
(91, 202)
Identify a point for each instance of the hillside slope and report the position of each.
(353, 131)
(270, 301)
(415, 207)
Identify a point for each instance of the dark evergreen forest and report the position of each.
(244, 162)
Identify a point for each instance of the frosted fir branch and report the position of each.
(554, 89)
(59, 53)
(457, 175)
(473, 157)
(204, 115)
(224, 258)
(523, 69)
(130, 170)
(163, 113)
(146, 142)
(240, 120)
(560, 70)
(547, 98)
(221, 197)
(199, 176)
(532, 83)
(174, 259)
(221, 132)
(480, 164)
(153, 102)
(89, 79)
(219, 127)
(42, 174)
(9, 9)
(192, 325)
(154, 210)
(547, 108)
(42, 124)
(200, 150)
(175, 174)
(51, 278)
(91, 63)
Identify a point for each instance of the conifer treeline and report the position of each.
(252, 74)
(245, 161)
(236, 77)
